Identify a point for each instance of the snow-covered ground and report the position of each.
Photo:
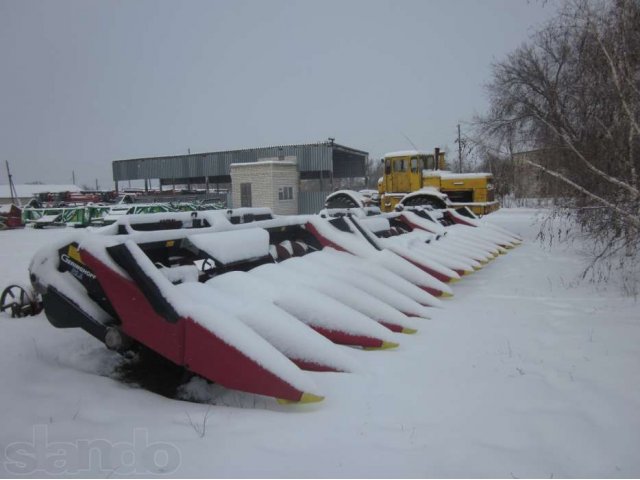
(524, 373)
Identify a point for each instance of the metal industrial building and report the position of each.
(322, 162)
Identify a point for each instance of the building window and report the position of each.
(285, 193)
(245, 194)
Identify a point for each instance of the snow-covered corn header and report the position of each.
(251, 301)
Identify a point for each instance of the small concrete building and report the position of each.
(267, 183)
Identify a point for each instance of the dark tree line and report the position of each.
(571, 98)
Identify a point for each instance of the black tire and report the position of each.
(19, 302)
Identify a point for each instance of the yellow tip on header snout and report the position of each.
(384, 346)
(305, 398)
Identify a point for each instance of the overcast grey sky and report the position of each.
(83, 83)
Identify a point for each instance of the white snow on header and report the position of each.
(375, 224)
(226, 327)
(249, 210)
(233, 245)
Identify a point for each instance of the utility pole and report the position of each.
(97, 187)
(459, 151)
(73, 176)
(12, 188)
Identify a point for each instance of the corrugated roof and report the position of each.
(222, 152)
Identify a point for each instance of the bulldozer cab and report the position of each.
(403, 171)
(396, 172)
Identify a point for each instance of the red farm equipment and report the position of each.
(252, 301)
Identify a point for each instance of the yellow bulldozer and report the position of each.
(419, 178)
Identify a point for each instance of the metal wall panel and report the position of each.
(196, 166)
(311, 202)
(347, 164)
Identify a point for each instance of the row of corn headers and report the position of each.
(250, 300)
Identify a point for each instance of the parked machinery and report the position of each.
(413, 171)
(250, 300)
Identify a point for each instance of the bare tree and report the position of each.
(572, 94)
(461, 161)
(373, 171)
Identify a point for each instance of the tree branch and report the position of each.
(633, 220)
(614, 74)
(567, 140)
